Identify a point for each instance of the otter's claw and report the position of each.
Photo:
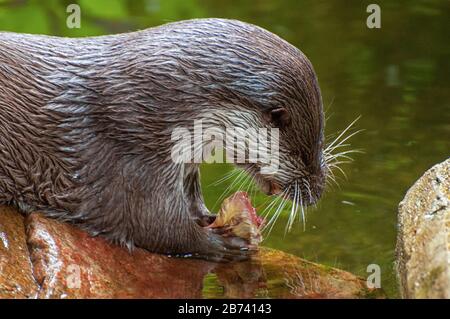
(224, 231)
(226, 247)
(205, 220)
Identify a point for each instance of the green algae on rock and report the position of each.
(275, 274)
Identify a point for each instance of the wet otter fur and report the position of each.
(86, 124)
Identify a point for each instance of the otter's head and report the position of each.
(258, 80)
(294, 107)
(247, 77)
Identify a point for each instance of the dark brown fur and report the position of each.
(85, 124)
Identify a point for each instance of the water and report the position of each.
(396, 78)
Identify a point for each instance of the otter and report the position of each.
(86, 123)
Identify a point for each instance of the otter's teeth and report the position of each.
(274, 189)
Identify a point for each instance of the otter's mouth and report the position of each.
(270, 187)
(267, 185)
(296, 191)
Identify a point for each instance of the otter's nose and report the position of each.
(317, 186)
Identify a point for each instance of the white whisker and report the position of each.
(341, 134)
(277, 213)
(293, 211)
(303, 212)
(227, 176)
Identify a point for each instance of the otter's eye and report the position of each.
(298, 154)
(305, 158)
(280, 117)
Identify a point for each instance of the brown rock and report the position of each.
(423, 242)
(67, 263)
(70, 264)
(16, 277)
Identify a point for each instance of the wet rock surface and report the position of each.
(68, 263)
(16, 275)
(423, 243)
(62, 261)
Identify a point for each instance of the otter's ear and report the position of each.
(279, 117)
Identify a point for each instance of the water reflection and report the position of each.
(274, 274)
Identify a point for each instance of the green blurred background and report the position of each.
(397, 78)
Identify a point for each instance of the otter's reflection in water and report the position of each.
(274, 274)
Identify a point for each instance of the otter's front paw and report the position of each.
(224, 246)
(205, 220)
